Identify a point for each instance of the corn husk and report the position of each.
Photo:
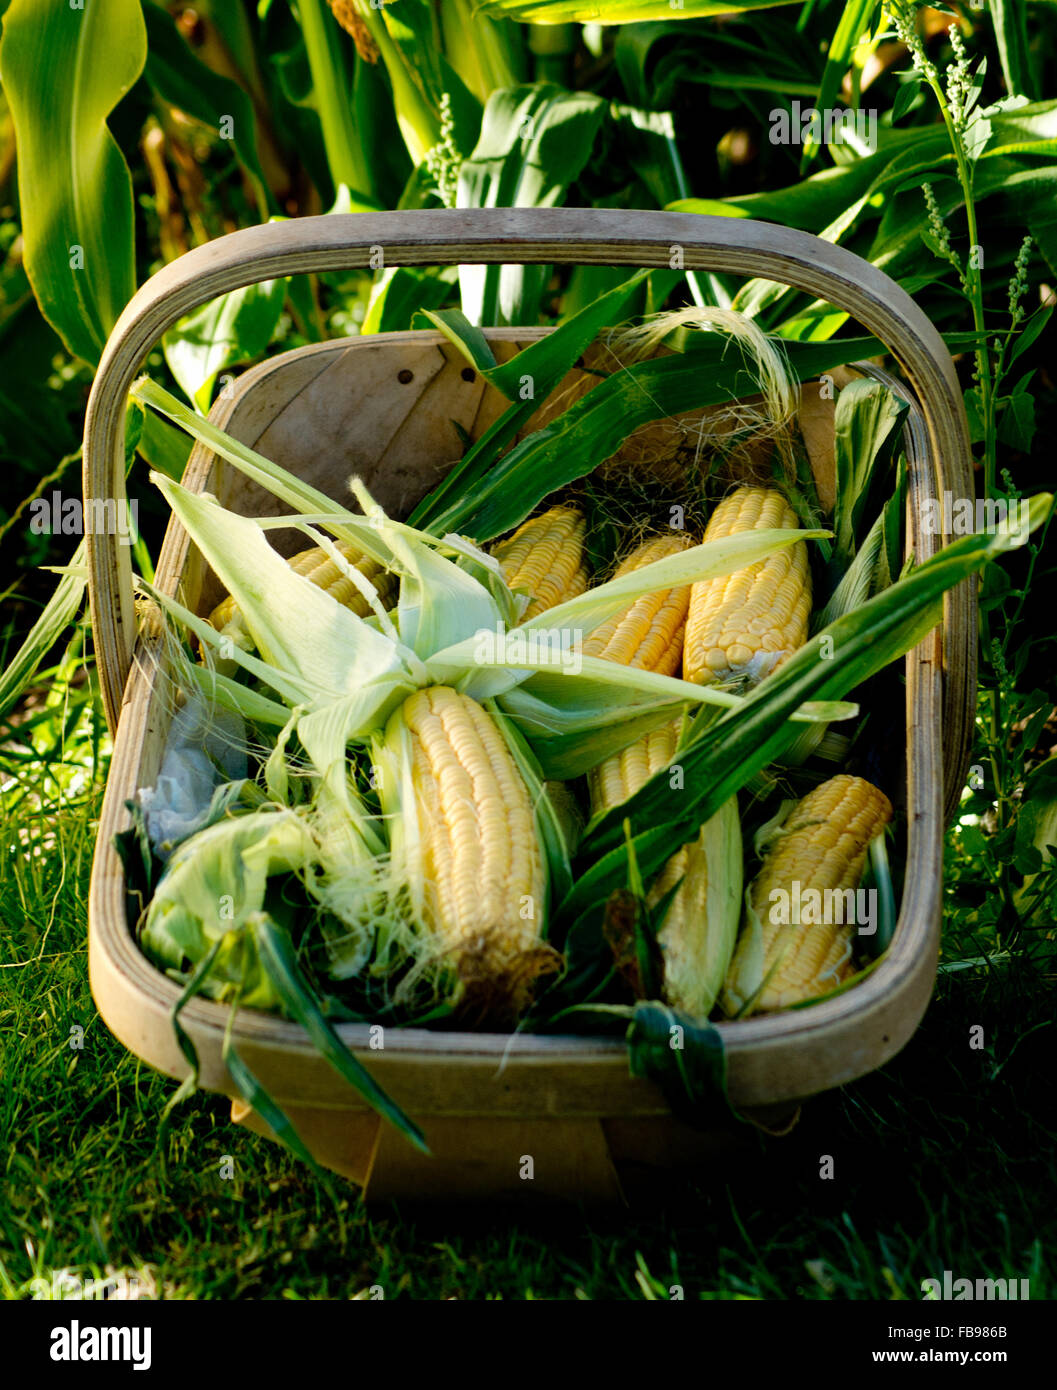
(697, 952)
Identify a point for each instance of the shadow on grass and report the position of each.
(945, 1159)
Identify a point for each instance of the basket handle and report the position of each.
(547, 236)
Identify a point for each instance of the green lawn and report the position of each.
(943, 1160)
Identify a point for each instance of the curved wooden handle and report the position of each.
(587, 236)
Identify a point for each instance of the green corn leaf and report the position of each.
(189, 1084)
(684, 1057)
(326, 48)
(648, 137)
(59, 612)
(440, 603)
(1018, 162)
(64, 71)
(411, 44)
(180, 80)
(165, 449)
(710, 560)
(231, 859)
(855, 21)
(823, 199)
(614, 11)
(233, 695)
(281, 966)
(1022, 146)
(377, 128)
(648, 968)
(588, 283)
(466, 336)
(236, 31)
(695, 975)
(327, 651)
(193, 987)
(890, 558)
(1010, 19)
(573, 725)
(235, 328)
(717, 55)
(880, 878)
(484, 53)
(535, 141)
(292, 688)
(857, 581)
(867, 417)
(254, 1094)
(542, 365)
(571, 731)
(594, 427)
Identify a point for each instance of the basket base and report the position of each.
(485, 1159)
(470, 1158)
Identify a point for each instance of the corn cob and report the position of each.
(743, 625)
(701, 921)
(621, 776)
(544, 558)
(477, 856)
(316, 565)
(821, 846)
(648, 634)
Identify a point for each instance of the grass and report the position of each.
(945, 1159)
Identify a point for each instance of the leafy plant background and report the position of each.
(133, 130)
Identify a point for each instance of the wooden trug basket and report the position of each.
(383, 407)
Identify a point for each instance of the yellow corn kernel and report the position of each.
(648, 634)
(544, 559)
(741, 626)
(316, 565)
(477, 854)
(621, 776)
(701, 920)
(811, 866)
